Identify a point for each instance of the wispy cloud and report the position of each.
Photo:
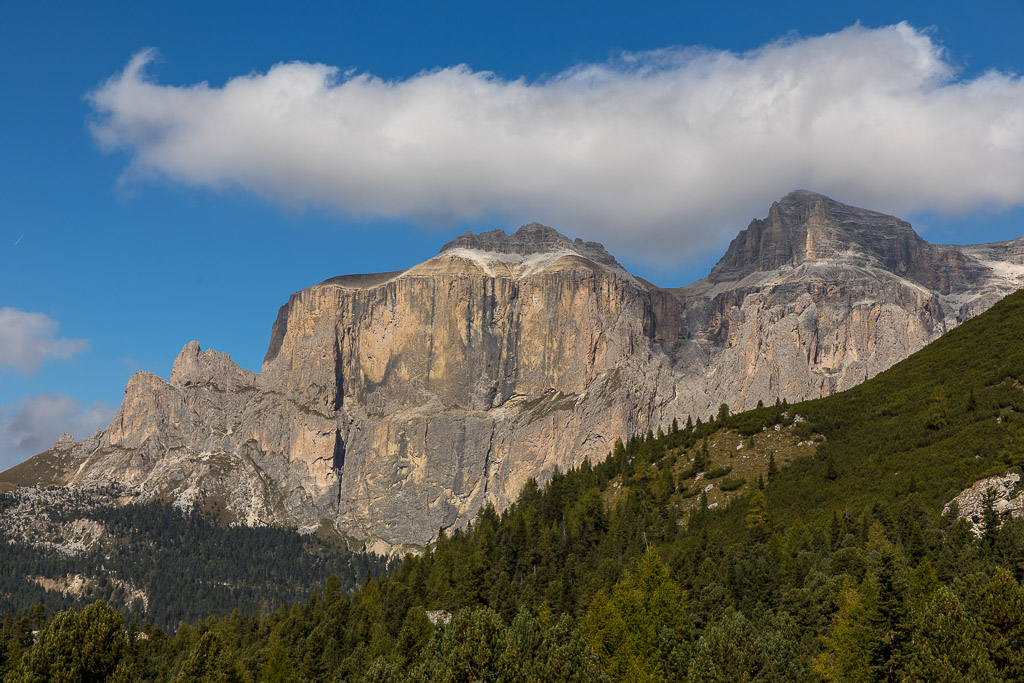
(656, 153)
(28, 339)
(34, 423)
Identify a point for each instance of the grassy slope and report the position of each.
(39, 470)
(928, 427)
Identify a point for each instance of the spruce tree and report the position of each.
(702, 458)
(852, 644)
(989, 516)
(757, 516)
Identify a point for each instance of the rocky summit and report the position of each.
(397, 404)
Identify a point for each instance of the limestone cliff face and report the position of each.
(398, 404)
(820, 296)
(457, 380)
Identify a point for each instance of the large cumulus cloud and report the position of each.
(655, 153)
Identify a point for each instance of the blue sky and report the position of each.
(124, 233)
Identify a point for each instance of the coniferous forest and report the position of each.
(702, 552)
(162, 565)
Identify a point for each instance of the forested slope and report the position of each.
(163, 565)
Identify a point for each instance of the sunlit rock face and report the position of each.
(819, 296)
(397, 404)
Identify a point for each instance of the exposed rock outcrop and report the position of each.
(397, 404)
(969, 504)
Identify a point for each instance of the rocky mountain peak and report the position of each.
(195, 367)
(805, 226)
(532, 238)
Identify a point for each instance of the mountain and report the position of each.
(805, 542)
(397, 404)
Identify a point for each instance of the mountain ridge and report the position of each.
(447, 385)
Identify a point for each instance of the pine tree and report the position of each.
(702, 458)
(773, 470)
(332, 590)
(625, 630)
(278, 668)
(921, 586)
(603, 628)
(949, 644)
(415, 634)
(852, 644)
(989, 516)
(836, 531)
(209, 660)
(618, 450)
(1002, 612)
(757, 516)
(735, 648)
(892, 595)
(86, 646)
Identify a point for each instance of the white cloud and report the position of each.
(28, 339)
(35, 422)
(654, 153)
